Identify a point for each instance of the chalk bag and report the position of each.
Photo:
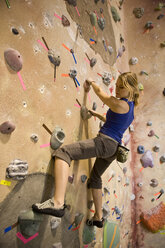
(122, 154)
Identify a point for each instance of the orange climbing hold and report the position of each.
(154, 219)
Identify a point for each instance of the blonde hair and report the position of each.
(130, 82)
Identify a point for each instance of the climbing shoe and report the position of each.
(47, 207)
(98, 223)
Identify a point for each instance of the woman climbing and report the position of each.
(104, 147)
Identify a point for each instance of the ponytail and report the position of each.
(130, 82)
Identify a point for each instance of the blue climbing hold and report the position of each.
(140, 149)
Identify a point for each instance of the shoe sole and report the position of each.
(55, 212)
(99, 224)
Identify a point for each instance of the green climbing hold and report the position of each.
(140, 86)
(115, 14)
(160, 6)
(89, 233)
(93, 19)
(111, 235)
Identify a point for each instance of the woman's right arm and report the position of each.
(110, 101)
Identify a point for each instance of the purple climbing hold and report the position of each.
(70, 179)
(151, 133)
(125, 170)
(7, 127)
(13, 59)
(147, 159)
(127, 139)
(120, 51)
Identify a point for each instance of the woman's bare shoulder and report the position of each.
(118, 105)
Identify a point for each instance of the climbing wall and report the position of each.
(88, 39)
(34, 101)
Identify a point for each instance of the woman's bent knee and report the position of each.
(62, 154)
(94, 184)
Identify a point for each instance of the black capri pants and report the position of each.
(102, 147)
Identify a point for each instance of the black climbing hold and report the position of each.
(94, 107)
(149, 25)
(72, 2)
(121, 39)
(160, 16)
(162, 159)
(93, 61)
(156, 148)
(154, 183)
(96, 1)
(7, 127)
(15, 31)
(73, 73)
(65, 21)
(164, 92)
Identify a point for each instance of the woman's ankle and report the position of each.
(97, 217)
(58, 204)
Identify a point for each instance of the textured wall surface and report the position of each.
(54, 104)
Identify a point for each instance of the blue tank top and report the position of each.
(116, 124)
